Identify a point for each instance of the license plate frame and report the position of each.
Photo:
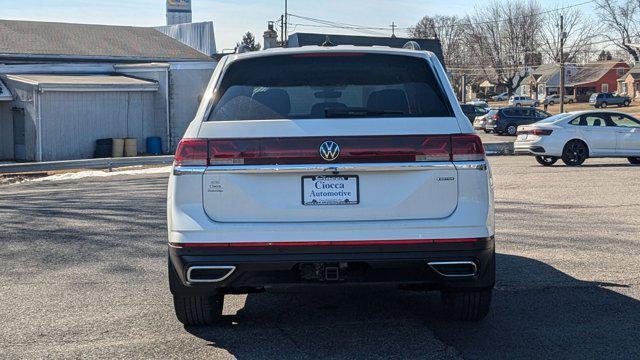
(347, 178)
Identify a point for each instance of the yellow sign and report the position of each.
(179, 5)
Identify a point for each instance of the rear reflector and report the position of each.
(328, 243)
(352, 149)
(539, 132)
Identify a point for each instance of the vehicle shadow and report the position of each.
(538, 312)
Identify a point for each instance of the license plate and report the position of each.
(330, 190)
(522, 137)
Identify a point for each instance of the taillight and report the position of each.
(360, 149)
(466, 148)
(539, 132)
(355, 149)
(191, 152)
(495, 117)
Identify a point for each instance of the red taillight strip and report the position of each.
(328, 243)
(306, 150)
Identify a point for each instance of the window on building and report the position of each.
(605, 88)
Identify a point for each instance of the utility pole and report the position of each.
(393, 29)
(286, 24)
(463, 92)
(561, 90)
(282, 30)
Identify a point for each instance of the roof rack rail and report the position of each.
(412, 45)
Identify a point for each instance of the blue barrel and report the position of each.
(154, 145)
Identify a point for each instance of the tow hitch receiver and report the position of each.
(325, 272)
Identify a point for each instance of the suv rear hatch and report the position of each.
(330, 137)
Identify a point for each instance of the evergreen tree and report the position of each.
(249, 41)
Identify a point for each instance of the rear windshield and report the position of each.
(311, 86)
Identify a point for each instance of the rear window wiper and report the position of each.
(357, 112)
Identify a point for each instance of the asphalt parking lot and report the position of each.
(83, 275)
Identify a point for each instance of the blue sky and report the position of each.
(234, 17)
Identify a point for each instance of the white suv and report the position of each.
(321, 165)
(523, 101)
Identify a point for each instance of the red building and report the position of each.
(601, 76)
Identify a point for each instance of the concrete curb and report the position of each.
(106, 163)
(501, 148)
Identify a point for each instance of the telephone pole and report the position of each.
(286, 24)
(393, 29)
(561, 90)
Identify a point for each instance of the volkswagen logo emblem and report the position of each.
(329, 150)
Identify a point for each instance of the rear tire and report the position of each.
(551, 103)
(634, 160)
(626, 103)
(469, 305)
(546, 160)
(198, 310)
(570, 101)
(575, 152)
(604, 105)
(190, 309)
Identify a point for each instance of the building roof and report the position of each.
(62, 41)
(199, 36)
(592, 72)
(306, 39)
(634, 72)
(48, 82)
(5, 94)
(544, 72)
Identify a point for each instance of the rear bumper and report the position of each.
(251, 267)
(528, 149)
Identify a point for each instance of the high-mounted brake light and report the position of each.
(327, 54)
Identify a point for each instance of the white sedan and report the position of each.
(576, 136)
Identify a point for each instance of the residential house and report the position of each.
(600, 76)
(629, 83)
(545, 80)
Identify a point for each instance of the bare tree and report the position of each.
(502, 34)
(448, 30)
(620, 18)
(579, 35)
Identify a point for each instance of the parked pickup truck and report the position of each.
(602, 100)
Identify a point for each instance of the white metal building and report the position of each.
(67, 85)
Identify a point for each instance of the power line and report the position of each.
(362, 28)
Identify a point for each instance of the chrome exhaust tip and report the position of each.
(209, 274)
(454, 269)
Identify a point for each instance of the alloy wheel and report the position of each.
(575, 153)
